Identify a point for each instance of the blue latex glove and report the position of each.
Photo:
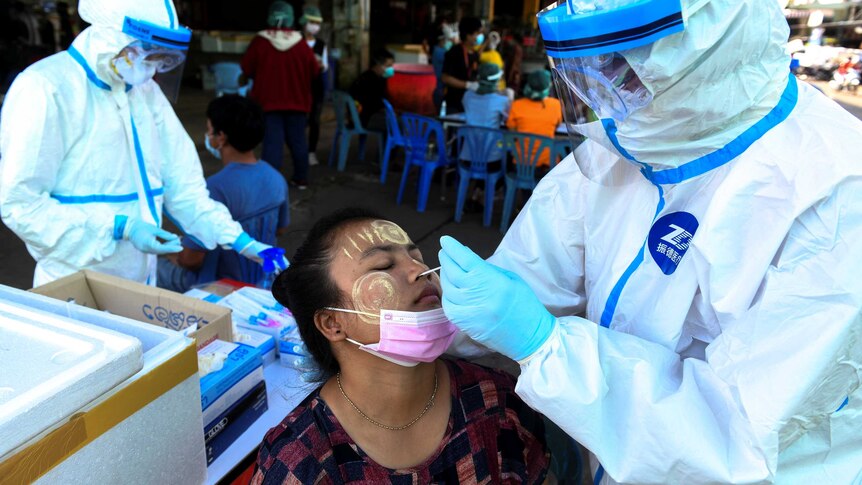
(148, 238)
(252, 250)
(493, 306)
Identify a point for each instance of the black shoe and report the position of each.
(299, 184)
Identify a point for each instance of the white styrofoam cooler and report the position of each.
(51, 366)
(159, 441)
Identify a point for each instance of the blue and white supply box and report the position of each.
(228, 372)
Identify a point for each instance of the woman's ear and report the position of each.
(327, 324)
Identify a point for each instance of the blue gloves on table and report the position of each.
(493, 306)
(146, 237)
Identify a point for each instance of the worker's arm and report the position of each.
(191, 259)
(453, 82)
(780, 367)
(33, 149)
(187, 200)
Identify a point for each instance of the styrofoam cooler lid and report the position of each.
(51, 366)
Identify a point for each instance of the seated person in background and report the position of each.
(492, 56)
(389, 409)
(537, 113)
(254, 193)
(369, 90)
(487, 107)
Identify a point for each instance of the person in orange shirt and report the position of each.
(536, 112)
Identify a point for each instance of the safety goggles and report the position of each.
(159, 49)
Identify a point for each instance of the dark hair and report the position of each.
(380, 56)
(468, 26)
(241, 119)
(305, 287)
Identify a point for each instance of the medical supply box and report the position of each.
(203, 321)
(90, 396)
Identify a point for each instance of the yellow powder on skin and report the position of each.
(373, 292)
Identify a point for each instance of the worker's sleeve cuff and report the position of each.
(120, 226)
(242, 241)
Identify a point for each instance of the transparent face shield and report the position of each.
(139, 62)
(158, 54)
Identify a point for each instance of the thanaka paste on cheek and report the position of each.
(373, 292)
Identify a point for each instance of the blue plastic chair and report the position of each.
(394, 138)
(482, 145)
(227, 79)
(345, 108)
(426, 149)
(261, 226)
(526, 150)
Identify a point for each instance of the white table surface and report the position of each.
(461, 118)
(284, 390)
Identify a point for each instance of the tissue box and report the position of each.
(241, 361)
(203, 321)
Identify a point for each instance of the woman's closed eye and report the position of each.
(383, 265)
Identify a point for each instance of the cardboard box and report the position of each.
(143, 303)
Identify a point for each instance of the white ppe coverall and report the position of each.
(708, 309)
(80, 147)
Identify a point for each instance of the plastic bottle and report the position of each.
(443, 109)
(269, 256)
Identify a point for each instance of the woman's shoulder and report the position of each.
(473, 382)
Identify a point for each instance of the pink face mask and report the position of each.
(407, 338)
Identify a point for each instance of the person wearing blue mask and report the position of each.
(438, 55)
(252, 190)
(370, 89)
(94, 156)
(682, 292)
(460, 64)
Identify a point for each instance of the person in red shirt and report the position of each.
(283, 69)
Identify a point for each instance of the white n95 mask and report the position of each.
(134, 71)
(407, 338)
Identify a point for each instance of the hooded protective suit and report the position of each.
(719, 278)
(80, 147)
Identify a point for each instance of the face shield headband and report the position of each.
(584, 39)
(159, 52)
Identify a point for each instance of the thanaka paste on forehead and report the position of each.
(388, 231)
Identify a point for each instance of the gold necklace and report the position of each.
(381, 425)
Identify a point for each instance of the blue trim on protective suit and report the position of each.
(91, 75)
(614, 297)
(846, 402)
(242, 242)
(142, 168)
(180, 227)
(120, 226)
(102, 198)
(170, 13)
(600, 473)
(721, 156)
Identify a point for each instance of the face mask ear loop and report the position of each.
(351, 311)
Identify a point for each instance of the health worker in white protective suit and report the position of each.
(92, 150)
(683, 293)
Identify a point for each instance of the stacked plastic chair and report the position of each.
(526, 150)
(426, 149)
(345, 108)
(394, 138)
(480, 146)
(227, 79)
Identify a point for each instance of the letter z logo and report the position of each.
(678, 236)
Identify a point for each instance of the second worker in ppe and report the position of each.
(683, 292)
(94, 155)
